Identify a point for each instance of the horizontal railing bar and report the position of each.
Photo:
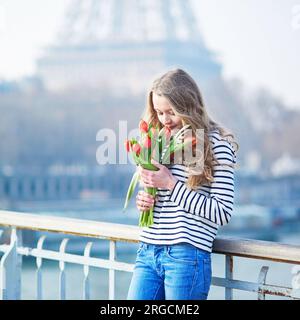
(121, 266)
(247, 248)
(255, 287)
(72, 258)
(97, 262)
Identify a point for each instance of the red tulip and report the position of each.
(191, 141)
(194, 141)
(172, 157)
(143, 126)
(127, 145)
(167, 132)
(136, 148)
(147, 142)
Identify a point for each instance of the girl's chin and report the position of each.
(176, 127)
(172, 127)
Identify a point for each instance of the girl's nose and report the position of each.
(166, 120)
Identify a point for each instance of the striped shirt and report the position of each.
(194, 216)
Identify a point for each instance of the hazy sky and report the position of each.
(257, 41)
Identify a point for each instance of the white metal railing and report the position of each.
(11, 261)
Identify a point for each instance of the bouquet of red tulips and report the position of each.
(153, 143)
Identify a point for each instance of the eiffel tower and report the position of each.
(124, 44)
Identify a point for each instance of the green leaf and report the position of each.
(131, 188)
(155, 150)
(149, 166)
(133, 140)
(136, 158)
(179, 146)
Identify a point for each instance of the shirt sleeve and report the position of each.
(217, 204)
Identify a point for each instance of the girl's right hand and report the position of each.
(144, 200)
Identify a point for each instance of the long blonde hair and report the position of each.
(180, 89)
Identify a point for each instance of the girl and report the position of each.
(174, 256)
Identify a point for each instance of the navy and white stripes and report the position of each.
(194, 216)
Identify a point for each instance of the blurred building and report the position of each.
(121, 44)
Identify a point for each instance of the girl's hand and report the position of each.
(162, 178)
(144, 201)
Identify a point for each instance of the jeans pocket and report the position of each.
(182, 254)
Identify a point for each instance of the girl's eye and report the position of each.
(160, 113)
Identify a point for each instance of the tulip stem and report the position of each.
(146, 217)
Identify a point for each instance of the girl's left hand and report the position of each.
(162, 178)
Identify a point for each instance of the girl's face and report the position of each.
(165, 113)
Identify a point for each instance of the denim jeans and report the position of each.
(170, 272)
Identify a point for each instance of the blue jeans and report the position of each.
(170, 272)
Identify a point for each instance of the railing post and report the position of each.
(112, 275)
(39, 274)
(86, 270)
(62, 274)
(229, 276)
(10, 269)
(261, 281)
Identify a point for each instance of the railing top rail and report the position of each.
(111, 231)
(80, 227)
(257, 249)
